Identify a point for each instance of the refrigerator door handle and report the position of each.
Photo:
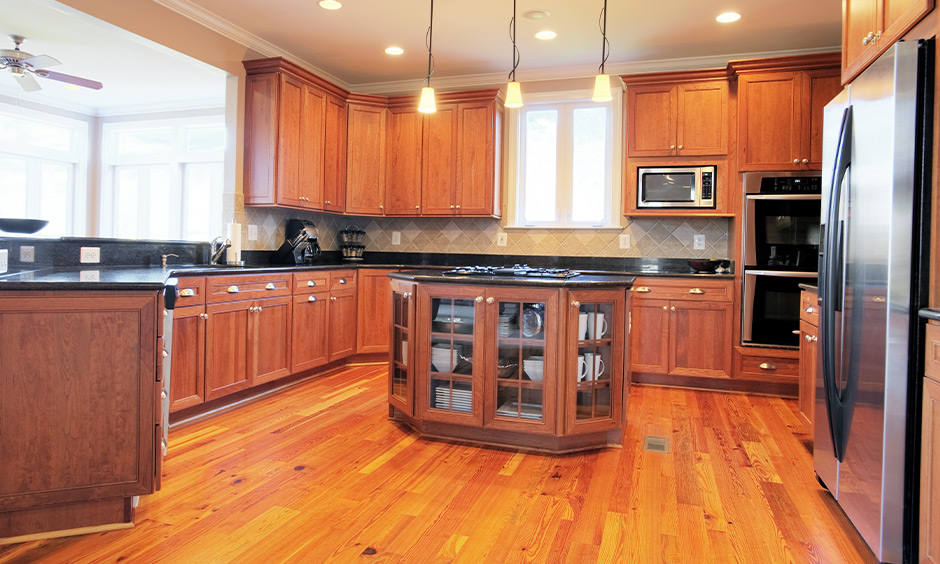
(830, 282)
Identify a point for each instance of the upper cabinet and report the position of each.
(780, 111)
(365, 155)
(673, 119)
(869, 27)
(290, 130)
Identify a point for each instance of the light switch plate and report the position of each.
(396, 237)
(501, 239)
(27, 253)
(4, 260)
(90, 255)
(624, 240)
(252, 232)
(698, 242)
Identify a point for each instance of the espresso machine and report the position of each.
(301, 245)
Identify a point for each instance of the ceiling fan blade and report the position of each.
(27, 82)
(77, 81)
(41, 61)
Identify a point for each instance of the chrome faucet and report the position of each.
(217, 252)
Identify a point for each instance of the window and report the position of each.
(565, 170)
(163, 179)
(42, 169)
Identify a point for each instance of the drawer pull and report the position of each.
(311, 283)
(696, 291)
(642, 290)
(767, 366)
(187, 293)
(270, 286)
(342, 280)
(312, 299)
(810, 309)
(796, 331)
(232, 290)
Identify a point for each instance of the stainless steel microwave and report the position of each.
(676, 187)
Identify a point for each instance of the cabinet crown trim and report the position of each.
(780, 64)
(673, 77)
(279, 64)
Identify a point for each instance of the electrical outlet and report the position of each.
(90, 255)
(396, 237)
(27, 254)
(698, 242)
(88, 276)
(252, 232)
(624, 240)
(4, 262)
(501, 239)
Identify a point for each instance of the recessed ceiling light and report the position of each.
(394, 50)
(331, 4)
(536, 14)
(546, 34)
(728, 17)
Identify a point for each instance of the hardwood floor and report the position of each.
(319, 474)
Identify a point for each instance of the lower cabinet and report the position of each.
(809, 332)
(311, 348)
(373, 310)
(342, 329)
(188, 382)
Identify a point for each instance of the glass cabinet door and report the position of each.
(595, 364)
(523, 367)
(400, 369)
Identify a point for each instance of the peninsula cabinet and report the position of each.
(401, 379)
(677, 119)
(373, 310)
(780, 111)
(869, 27)
(365, 155)
(290, 136)
(930, 451)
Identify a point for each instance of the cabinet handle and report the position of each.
(270, 286)
(696, 291)
(490, 300)
(187, 293)
(868, 38)
(805, 161)
(575, 303)
(312, 299)
(342, 280)
(767, 366)
(311, 283)
(478, 299)
(232, 290)
(810, 309)
(642, 290)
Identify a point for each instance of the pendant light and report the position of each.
(602, 80)
(513, 92)
(427, 104)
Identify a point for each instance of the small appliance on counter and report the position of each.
(301, 245)
(350, 240)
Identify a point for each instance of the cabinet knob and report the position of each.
(381, 208)
(796, 161)
(312, 299)
(490, 300)
(332, 298)
(458, 206)
(877, 35)
(311, 283)
(342, 280)
(810, 309)
(642, 290)
(417, 208)
(478, 299)
(187, 293)
(673, 308)
(672, 146)
(162, 394)
(664, 308)
(680, 147)
(575, 303)
(868, 38)
(203, 316)
(809, 338)
(805, 161)
(696, 291)
(767, 366)
(452, 206)
(165, 354)
(406, 295)
(815, 338)
(270, 286)
(327, 202)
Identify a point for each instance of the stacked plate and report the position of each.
(457, 400)
(443, 358)
(534, 367)
(505, 325)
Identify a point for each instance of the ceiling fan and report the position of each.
(24, 65)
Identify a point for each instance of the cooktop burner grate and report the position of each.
(515, 270)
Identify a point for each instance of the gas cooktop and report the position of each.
(515, 270)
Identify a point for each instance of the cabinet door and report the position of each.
(401, 383)
(702, 119)
(290, 129)
(859, 19)
(819, 88)
(365, 160)
(261, 140)
(403, 175)
(342, 323)
(649, 336)
(374, 307)
(651, 120)
(699, 333)
(227, 348)
(476, 158)
(313, 128)
(439, 167)
(310, 336)
(898, 16)
(269, 340)
(594, 378)
(187, 376)
(807, 399)
(522, 359)
(769, 121)
(334, 156)
(930, 475)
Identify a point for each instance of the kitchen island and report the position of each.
(535, 362)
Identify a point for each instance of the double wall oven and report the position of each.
(780, 245)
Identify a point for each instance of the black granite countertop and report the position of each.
(930, 313)
(584, 279)
(86, 278)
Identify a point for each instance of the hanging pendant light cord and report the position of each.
(428, 38)
(605, 46)
(515, 50)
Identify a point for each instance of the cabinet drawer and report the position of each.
(809, 308)
(192, 291)
(340, 279)
(683, 289)
(247, 287)
(932, 352)
(764, 366)
(312, 281)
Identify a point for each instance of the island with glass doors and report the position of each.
(537, 363)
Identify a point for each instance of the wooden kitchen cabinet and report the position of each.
(930, 451)
(677, 119)
(401, 360)
(479, 131)
(780, 111)
(439, 162)
(187, 379)
(405, 138)
(365, 155)
(309, 340)
(809, 337)
(870, 27)
(334, 156)
(342, 331)
(373, 307)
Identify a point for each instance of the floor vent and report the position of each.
(656, 444)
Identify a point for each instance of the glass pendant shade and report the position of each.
(602, 88)
(427, 104)
(513, 95)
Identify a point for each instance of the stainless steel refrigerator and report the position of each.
(872, 275)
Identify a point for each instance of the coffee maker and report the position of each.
(301, 245)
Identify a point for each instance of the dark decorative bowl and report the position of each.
(12, 225)
(706, 265)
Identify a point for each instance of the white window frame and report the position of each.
(565, 102)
